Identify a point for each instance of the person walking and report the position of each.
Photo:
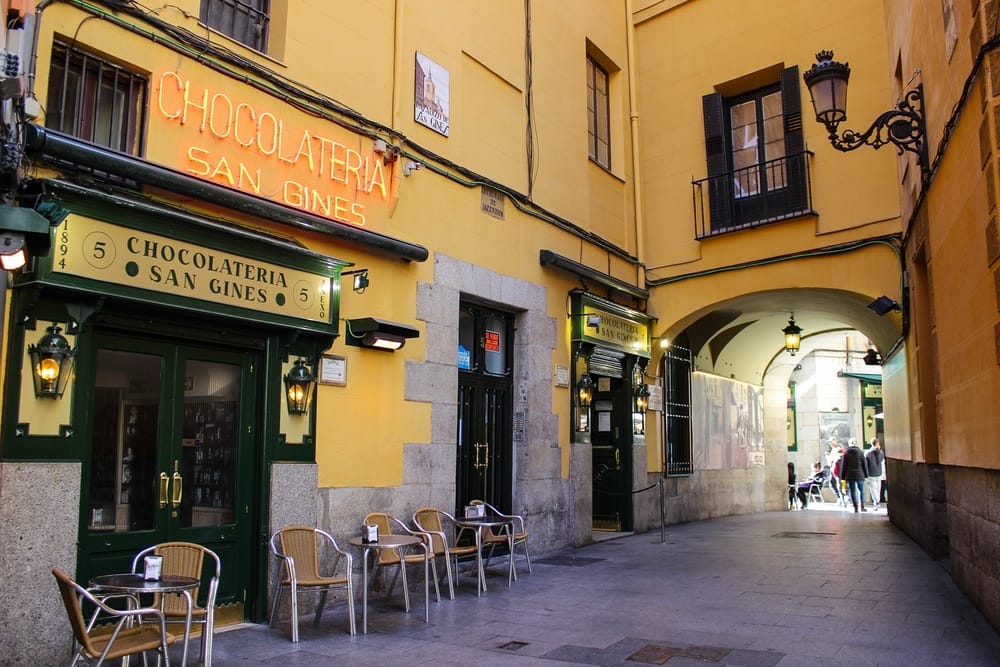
(834, 459)
(792, 480)
(854, 471)
(874, 461)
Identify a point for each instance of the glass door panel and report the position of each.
(209, 443)
(123, 490)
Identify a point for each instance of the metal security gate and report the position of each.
(485, 425)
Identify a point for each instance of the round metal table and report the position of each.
(135, 584)
(398, 543)
(478, 524)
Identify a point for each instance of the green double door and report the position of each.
(172, 456)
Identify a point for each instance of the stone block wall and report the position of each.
(974, 535)
(917, 500)
(39, 515)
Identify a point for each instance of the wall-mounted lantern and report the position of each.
(299, 383)
(642, 398)
(585, 390)
(52, 363)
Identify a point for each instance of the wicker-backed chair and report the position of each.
(127, 637)
(300, 549)
(389, 525)
(188, 559)
(433, 521)
(494, 538)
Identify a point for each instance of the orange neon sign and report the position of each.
(270, 155)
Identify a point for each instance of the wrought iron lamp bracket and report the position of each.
(903, 127)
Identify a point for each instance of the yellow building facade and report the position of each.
(752, 221)
(412, 204)
(498, 250)
(947, 467)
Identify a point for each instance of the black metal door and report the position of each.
(611, 441)
(485, 425)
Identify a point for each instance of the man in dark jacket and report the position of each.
(874, 460)
(854, 471)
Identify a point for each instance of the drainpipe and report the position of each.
(633, 110)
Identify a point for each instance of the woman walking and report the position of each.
(854, 471)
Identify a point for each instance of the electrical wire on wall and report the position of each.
(529, 101)
(316, 104)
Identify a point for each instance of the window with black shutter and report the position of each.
(755, 156)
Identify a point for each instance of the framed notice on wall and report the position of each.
(332, 370)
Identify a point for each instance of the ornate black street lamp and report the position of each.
(903, 127)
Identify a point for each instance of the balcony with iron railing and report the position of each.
(744, 198)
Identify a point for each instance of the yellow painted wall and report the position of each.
(954, 233)
(361, 55)
(687, 49)
(691, 49)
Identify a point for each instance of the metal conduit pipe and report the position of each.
(46, 142)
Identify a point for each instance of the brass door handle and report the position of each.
(164, 483)
(178, 487)
(177, 490)
(477, 465)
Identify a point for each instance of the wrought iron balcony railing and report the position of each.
(760, 194)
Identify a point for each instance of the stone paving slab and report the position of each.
(777, 589)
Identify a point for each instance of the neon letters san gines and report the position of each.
(262, 153)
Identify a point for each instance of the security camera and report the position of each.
(392, 154)
(411, 167)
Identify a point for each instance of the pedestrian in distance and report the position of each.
(792, 480)
(803, 487)
(834, 459)
(854, 471)
(875, 463)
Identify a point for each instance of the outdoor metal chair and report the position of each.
(816, 493)
(300, 549)
(433, 521)
(128, 635)
(387, 525)
(187, 559)
(494, 538)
